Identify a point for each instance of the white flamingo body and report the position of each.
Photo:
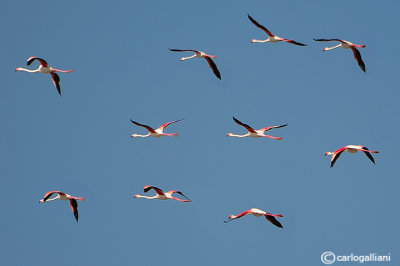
(346, 45)
(63, 196)
(161, 195)
(156, 133)
(200, 54)
(260, 133)
(44, 68)
(350, 149)
(257, 212)
(271, 37)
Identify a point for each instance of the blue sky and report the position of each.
(80, 143)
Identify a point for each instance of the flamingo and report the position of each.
(155, 132)
(271, 37)
(346, 45)
(257, 212)
(254, 133)
(45, 69)
(62, 196)
(161, 195)
(351, 149)
(200, 54)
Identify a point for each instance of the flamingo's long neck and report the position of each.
(189, 57)
(27, 70)
(238, 136)
(330, 48)
(54, 198)
(140, 136)
(146, 197)
(254, 40)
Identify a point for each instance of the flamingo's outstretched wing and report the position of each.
(327, 40)
(140, 125)
(273, 220)
(56, 81)
(358, 58)
(260, 26)
(180, 193)
(213, 66)
(183, 50)
(156, 189)
(33, 58)
(249, 128)
(74, 207)
(48, 194)
(368, 154)
(294, 42)
(167, 124)
(336, 154)
(271, 127)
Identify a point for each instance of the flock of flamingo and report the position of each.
(44, 68)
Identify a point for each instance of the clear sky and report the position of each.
(80, 143)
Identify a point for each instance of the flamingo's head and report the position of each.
(183, 59)
(253, 41)
(231, 216)
(41, 201)
(18, 69)
(328, 153)
(133, 135)
(135, 196)
(229, 134)
(324, 49)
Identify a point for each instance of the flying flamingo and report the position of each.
(254, 133)
(155, 132)
(200, 54)
(63, 196)
(271, 37)
(351, 149)
(257, 212)
(346, 45)
(45, 69)
(162, 195)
